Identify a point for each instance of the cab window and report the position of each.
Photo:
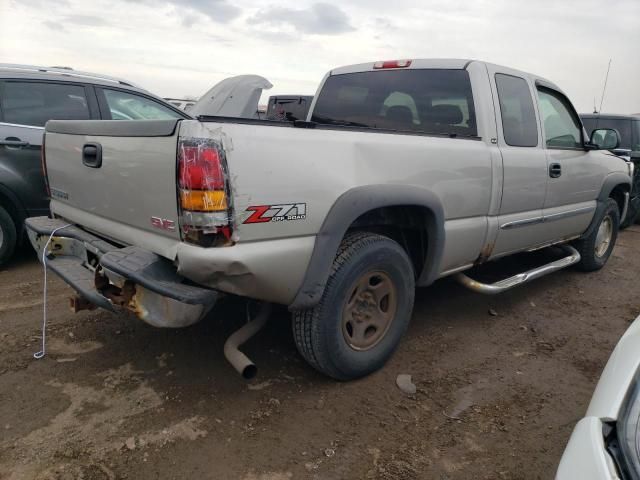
(127, 106)
(428, 101)
(519, 124)
(561, 125)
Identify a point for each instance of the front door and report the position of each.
(575, 174)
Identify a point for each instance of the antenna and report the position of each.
(595, 109)
(606, 78)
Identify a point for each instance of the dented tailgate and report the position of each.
(117, 178)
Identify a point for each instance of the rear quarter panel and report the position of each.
(279, 165)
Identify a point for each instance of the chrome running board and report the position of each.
(520, 278)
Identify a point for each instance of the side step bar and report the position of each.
(520, 278)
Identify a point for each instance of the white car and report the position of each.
(605, 444)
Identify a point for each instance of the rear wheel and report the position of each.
(7, 236)
(365, 308)
(597, 247)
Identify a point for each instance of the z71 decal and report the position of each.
(276, 213)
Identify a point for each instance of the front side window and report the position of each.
(516, 108)
(35, 103)
(128, 106)
(561, 125)
(434, 101)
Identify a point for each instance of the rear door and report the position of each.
(575, 174)
(25, 107)
(524, 162)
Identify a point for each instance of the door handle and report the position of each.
(555, 170)
(14, 142)
(92, 155)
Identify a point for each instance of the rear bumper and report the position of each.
(115, 278)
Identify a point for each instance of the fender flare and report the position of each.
(610, 182)
(346, 209)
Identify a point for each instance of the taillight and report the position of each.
(200, 168)
(203, 192)
(43, 164)
(392, 64)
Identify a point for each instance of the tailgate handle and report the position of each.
(92, 155)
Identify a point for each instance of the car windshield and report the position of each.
(434, 101)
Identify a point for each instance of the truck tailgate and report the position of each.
(116, 173)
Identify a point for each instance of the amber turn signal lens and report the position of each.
(203, 200)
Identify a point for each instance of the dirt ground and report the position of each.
(501, 382)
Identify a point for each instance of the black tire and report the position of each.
(320, 332)
(591, 259)
(8, 236)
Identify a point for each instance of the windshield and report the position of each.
(425, 101)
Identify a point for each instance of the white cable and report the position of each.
(42, 353)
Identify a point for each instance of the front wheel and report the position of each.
(364, 310)
(596, 249)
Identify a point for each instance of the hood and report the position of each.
(232, 97)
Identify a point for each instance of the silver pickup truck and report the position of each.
(404, 172)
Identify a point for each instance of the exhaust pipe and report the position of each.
(243, 365)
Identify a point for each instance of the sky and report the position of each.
(178, 48)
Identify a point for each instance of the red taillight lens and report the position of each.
(200, 168)
(392, 64)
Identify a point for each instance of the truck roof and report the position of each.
(441, 63)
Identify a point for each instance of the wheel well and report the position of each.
(406, 224)
(13, 210)
(618, 194)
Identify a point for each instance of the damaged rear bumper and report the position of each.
(114, 278)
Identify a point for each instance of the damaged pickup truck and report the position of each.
(404, 172)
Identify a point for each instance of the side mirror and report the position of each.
(606, 138)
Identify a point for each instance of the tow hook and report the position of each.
(243, 364)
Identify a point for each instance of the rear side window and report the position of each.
(128, 106)
(35, 103)
(562, 128)
(425, 101)
(516, 108)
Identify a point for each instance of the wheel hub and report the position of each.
(603, 237)
(369, 311)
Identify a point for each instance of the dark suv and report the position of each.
(628, 126)
(29, 97)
